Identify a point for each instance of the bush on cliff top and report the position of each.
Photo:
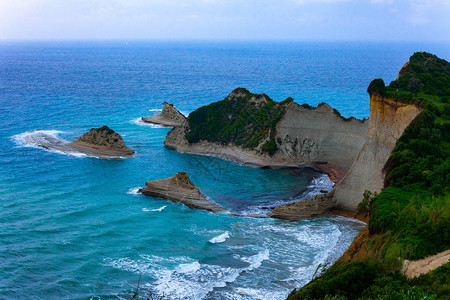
(238, 120)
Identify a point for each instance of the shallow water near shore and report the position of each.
(73, 227)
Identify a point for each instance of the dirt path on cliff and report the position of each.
(425, 265)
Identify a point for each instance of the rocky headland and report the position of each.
(254, 130)
(101, 142)
(169, 116)
(179, 188)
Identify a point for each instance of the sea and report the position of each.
(74, 227)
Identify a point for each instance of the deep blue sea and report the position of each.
(73, 227)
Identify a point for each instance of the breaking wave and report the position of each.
(220, 238)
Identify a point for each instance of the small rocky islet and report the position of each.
(101, 142)
(179, 188)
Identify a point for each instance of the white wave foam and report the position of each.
(318, 186)
(156, 209)
(256, 260)
(188, 268)
(323, 244)
(253, 293)
(140, 122)
(45, 139)
(38, 138)
(133, 191)
(220, 238)
(155, 110)
(189, 279)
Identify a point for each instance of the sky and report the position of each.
(399, 20)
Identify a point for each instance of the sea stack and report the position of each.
(179, 188)
(168, 117)
(101, 142)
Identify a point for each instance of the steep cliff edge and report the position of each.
(169, 116)
(409, 219)
(387, 121)
(255, 130)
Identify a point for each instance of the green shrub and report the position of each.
(347, 279)
(365, 205)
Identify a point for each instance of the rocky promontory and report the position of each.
(101, 142)
(255, 130)
(179, 188)
(168, 117)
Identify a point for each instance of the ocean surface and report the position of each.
(73, 227)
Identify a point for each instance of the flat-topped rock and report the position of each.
(309, 208)
(179, 188)
(168, 117)
(102, 142)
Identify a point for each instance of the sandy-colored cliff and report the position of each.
(312, 135)
(304, 136)
(169, 116)
(388, 119)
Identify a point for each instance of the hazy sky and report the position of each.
(410, 20)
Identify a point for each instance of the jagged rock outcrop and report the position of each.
(179, 188)
(102, 142)
(168, 117)
(302, 136)
(387, 121)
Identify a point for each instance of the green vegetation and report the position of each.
(410, 218)
(363, 280)
(243, 118)
(366, 203)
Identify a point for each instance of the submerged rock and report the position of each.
(168, 117)
(102, 142)
(179, 188)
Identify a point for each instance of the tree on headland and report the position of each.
(415, 85)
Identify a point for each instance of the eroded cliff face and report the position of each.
(304, 136)
(311, 135)
(388, 119)
(170, 113)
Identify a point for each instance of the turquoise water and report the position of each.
(72, 227)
